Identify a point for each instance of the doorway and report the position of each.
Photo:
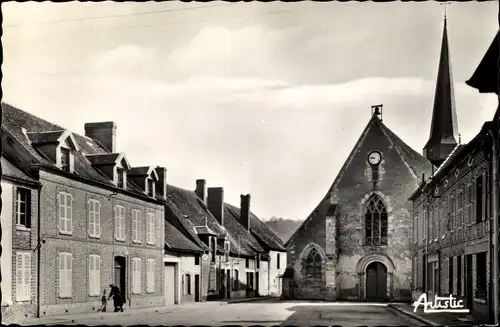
(170, 282)
(376, 281)
(468, 277)
(197, 288)
(228, 283)
(120, 276)
(257, 283)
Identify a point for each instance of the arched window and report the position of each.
(376, 221)
(313, 264)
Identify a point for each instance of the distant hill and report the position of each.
(283, 228)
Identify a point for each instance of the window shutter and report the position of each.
(19, 276)
(98, 219)
(91, 274)
(153, 268)
(62, 275)
(69, 271)
(70, 213)
(28, 208)
(60, 209)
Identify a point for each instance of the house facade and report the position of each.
(101, 219)
(19, 260)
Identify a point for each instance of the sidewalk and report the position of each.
(433, 319)
(71, 318)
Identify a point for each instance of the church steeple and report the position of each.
(444, 127)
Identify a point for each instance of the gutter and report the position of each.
(39, 245)
(494, 266)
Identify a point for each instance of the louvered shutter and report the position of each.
(91, 275)
(69, 216)
(98, 219)
(62, 274)
(69, 271)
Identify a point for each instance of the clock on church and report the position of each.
(374, 157)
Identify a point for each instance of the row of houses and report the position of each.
(77, 216)
(455, 221)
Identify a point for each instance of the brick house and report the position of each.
(356, 244)
(19, 260)
(453, 207)
(101, 219)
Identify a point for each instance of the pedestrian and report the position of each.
(117, 298)
(104, 302)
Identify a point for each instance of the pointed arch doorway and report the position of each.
(376, 281)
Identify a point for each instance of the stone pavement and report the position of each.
(102, 316)
(433, 319)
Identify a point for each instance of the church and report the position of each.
(356, 244)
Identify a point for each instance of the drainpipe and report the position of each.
(39, 245)
(495, 226)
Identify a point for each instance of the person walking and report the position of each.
(117, 298)
(104, 302)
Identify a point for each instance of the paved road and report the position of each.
(266, 313)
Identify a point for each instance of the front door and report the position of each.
(197, 288)
(257, 283)
(228, 283)
(376, 282)
(169, 284)
(120, 276)
(468, 276)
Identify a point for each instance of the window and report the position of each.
(431, 225)
(65, 275)
(120, 177)
(453, 211)
(136, 276)
(314, 264)
(65, 213)
(136, 226)
(23, 275)
(451, 278)
(479, 199)
(119, 223)
(250, 280)
(236, 281)
(94, 218)
(150, 228)
(151, 187)
(481, 275)
(414, 272)
(213, 247)
(23, 207)
(187, 284)
(197, 260)
(459, 275)
(278, 261)
(150, 275)
(376, 221)
(469, 204)
(258, 261)
(94, 275)
(65, 159)
(375, 174)
(247, 263)
(414, 229)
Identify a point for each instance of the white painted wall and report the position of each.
(275, 286)
(6, 259)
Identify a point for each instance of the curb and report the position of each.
(412, 315)
(250, 300)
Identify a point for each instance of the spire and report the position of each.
(444, 127)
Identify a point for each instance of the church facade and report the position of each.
(356, 244)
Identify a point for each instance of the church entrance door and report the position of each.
(376, 281)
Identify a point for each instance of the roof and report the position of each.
(45, 137)
(9, 170)
(444, 126)
(22, 126)
(263, 233)
(248, 243)
(103, 159)
(485, 78)
(175, 240)
(415, 162)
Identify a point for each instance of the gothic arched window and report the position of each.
(313, 264)
(375, 221)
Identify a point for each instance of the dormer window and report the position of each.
(120, 175)
(65, 159)
(151, 188)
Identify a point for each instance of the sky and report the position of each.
(260, 98)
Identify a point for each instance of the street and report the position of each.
(265, 313)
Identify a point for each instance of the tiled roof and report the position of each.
(139, 171)
(9, 170)
(15, 120)
(204, 230)
(175, 240)
(417, 162)
(103, 159)
(248, 244)
(44, 137)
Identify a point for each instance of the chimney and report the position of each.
(215, 203)
(161, 185)
(201, 190)
(104, 133)
(245, 211)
